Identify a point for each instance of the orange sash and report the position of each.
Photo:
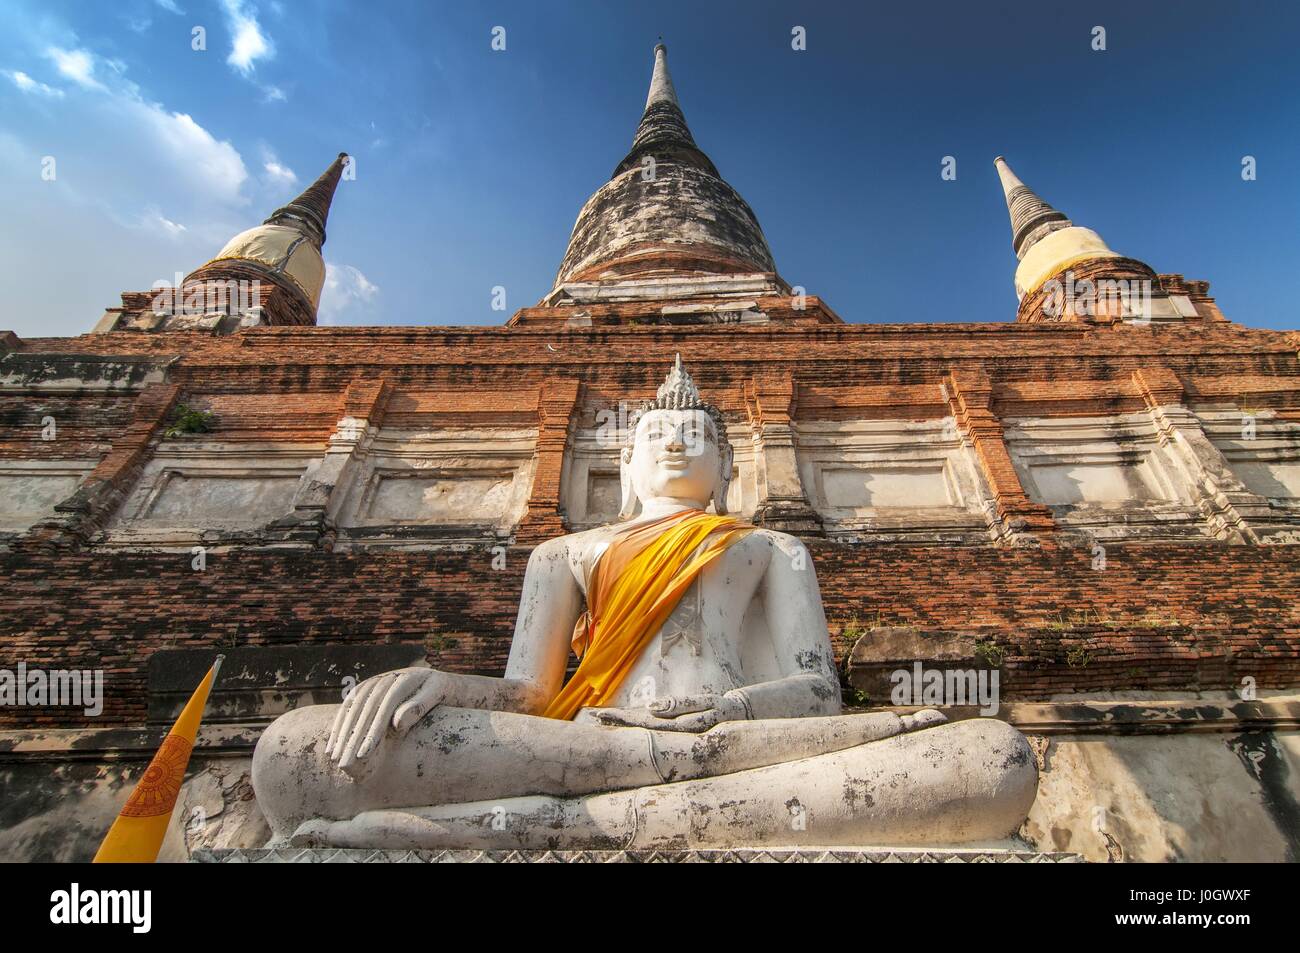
(634, 586)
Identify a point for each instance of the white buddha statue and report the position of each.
(704, 712)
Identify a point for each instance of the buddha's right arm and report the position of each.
(548, 608)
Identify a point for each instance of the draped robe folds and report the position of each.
(634, 586)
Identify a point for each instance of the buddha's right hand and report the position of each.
(398, 699)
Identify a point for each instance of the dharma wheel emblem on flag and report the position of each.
(158, 789)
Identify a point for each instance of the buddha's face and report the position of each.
(675, 454)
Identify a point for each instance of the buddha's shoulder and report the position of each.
(574, 545)
(771, 541)
(584, 542)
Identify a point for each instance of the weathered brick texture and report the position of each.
(1160, 615)
(1164, 616)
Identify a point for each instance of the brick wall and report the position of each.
(1158, 616)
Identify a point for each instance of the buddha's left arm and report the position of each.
(809, 684)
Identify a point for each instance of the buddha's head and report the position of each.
(676, 449)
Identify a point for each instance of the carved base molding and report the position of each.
(845, 855)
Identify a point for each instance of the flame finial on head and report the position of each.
(678, 391)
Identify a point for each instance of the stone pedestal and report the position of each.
(746, 855)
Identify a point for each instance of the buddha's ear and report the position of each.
(725, 464)
(627, 503)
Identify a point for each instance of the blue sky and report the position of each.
(472, 164)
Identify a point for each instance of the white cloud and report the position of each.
(192, 154)
(349, 297)
(169, 6)
(248, 43)
(154, 220)
(144, 190)
(195, 152)
(189, 153)
(277, 172)
(29, 85)
(76, 65)
(273, 94)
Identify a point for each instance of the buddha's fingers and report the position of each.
(336, 729)
(364, 690)
(625, 718)
(694, 722)
(400, 692)
(417, 707)
(671, 706)
(362, 726)
(338, 722)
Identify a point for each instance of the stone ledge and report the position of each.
(847, 855)
(78, 371)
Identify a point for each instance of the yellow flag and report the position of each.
(137, 834)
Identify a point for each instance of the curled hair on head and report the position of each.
(677, 392)
(715, 415)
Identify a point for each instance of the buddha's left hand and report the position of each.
(694, 713)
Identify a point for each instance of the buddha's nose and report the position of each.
(676, 442)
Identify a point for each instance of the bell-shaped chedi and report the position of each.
(1031, 217)
(1045, 240)
(665, 212)
(667, 241)
(1069, 273)
(272, 274)
(285, 251)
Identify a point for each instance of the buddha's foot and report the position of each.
(314, 833)
(925, 718)
(971, 781)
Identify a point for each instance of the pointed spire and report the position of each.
(665, 210)
(310, 210)
(663, 133)
(661, 83)
(1031, 217)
